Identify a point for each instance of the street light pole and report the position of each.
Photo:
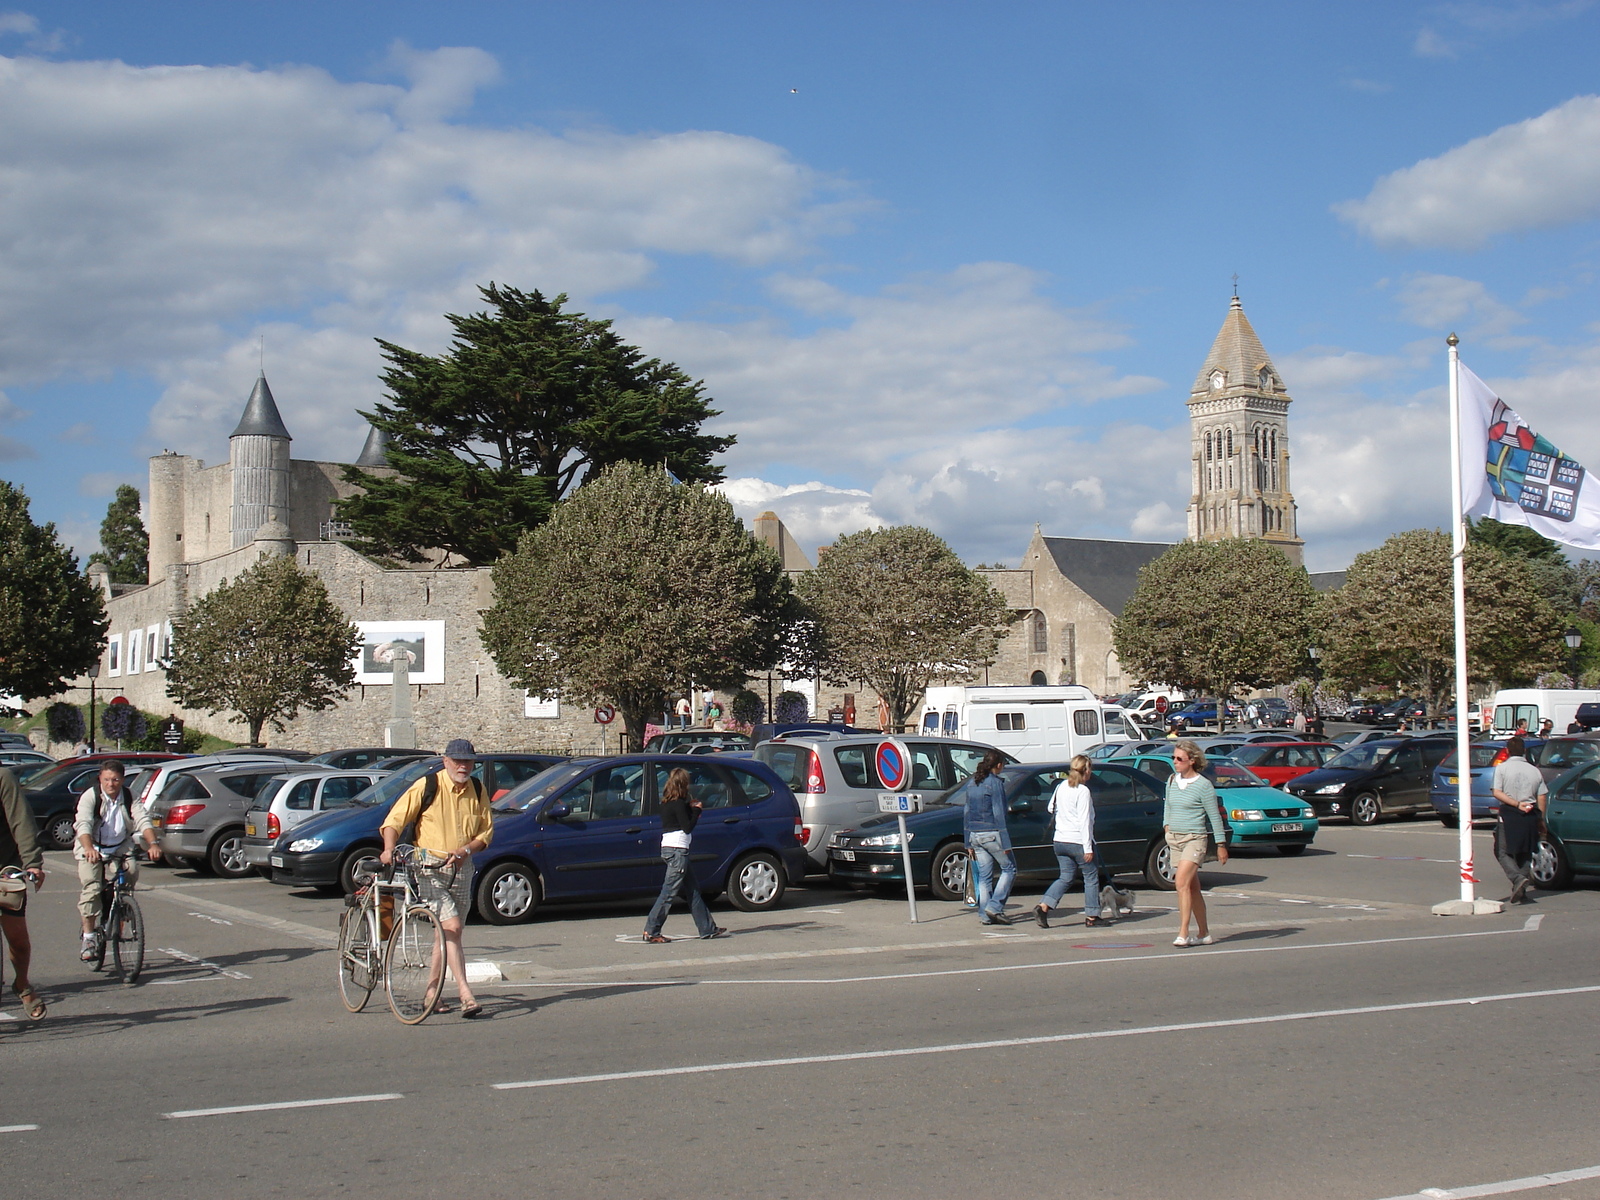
(94, 674)
(1573, 639)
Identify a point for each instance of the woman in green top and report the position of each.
(1191, 816)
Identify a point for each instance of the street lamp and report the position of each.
(1574, 639)
(93, 673)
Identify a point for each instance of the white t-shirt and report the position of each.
(1073, 807)
(676, 839)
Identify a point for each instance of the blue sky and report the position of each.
(955, 264)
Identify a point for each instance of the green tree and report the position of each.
(1218, 617)
(529, 402)
(1393, 620)
(124, 544)
(52, 619)
(896, 609)
(265, 646)
(635, 583)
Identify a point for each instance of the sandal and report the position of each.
(655, 939)
(472, 1012)
(31, 1003)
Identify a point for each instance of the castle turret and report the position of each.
(376, 451)
(258, 452)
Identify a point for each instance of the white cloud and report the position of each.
(1439, 302)
(1535, 174)
(1429, 44)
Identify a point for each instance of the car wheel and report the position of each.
(225, 855)
(1548, 868)
(1159, 872)
(1292, 849)
(362, 858)
(947, 878)
(58, 829)
(1450, 820)
(1365, 809)
(756, 883)
(508, 894)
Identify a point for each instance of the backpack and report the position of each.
(430, 793)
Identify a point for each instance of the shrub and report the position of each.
(791, 709)
(747, 708)
(65, 722)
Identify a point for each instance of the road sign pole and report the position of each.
(905, 857)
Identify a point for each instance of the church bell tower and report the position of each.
(1239, 439)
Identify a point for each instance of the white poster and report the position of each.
(422, 641)
(114, 655)
(538, 706)
(153, 658)
(135, 645)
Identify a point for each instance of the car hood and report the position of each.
(1323, 776)
(343, 821)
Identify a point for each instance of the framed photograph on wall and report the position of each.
(382, 640)
(114, 655)
(540, 706)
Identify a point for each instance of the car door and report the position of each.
(1574, 817)
(723, 822)
(602, 846)
(1404, 782)
(338, 791)
(298, 801)
(1123, 810)
(1029, 821)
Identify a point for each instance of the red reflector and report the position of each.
(179, 813)
(274, 826)
(802, 834)
(815, 785)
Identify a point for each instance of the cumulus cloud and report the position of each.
(1535, 174)
(1439, 302)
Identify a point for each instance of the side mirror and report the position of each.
(558, 811)
(1018, 806)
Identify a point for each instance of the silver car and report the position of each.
(199, 813)
(287, 800)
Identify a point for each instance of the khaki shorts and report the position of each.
(1188, 847)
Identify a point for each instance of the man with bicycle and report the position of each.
(107, 823)
(451, 812)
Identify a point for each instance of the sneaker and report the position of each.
(1182, 941)
(717, 932)
(87, 953)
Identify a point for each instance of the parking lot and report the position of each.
(1337, 1041)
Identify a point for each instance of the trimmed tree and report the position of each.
(1218, 617)
(1393, 620)
(124, 544)
(265, 646)
(529, 402)
(52, 619)
(896, 609)
(635, 583)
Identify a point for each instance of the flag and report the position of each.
(1514, 475)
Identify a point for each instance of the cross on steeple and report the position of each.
(1236, 285)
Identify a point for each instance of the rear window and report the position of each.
(337, 793)
(1251, 755)
(790, 762)
(857, 767)
(1562, 753)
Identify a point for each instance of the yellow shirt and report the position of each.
(459, 813)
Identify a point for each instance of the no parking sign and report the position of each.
(893, 761)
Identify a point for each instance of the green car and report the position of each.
(1571, 846)
(1127, 830)
(1255, 812)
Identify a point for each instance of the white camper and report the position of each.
(1036, 724)
(1533, 705)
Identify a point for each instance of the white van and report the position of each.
(1036, 724)
(1513, 705)
(1145, 706)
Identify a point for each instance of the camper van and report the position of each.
(1533, 705)
(1036, 724)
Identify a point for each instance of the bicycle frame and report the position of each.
(380, 915)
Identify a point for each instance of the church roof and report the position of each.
(376, 451)
(261, 417)
(1108, 571)
(1238, 353)
(1328, 581)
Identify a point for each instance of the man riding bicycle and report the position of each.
(108, 821)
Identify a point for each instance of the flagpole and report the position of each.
(1467, 904)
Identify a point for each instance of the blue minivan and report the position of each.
(591, 830)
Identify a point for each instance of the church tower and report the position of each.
(258, 452)
(1239, 440)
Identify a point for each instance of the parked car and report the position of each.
(1375, 779)
(1445, 791)
(1364, 712)
(834, 778)
(264, 752)
(1128, 749)
(1571, 844)
(53, 793)
(1280, 762)
(286, 800)
(1359, 736)
(681, 739)
(328, 849)
(1127, 829)
(1556, 756)
(591, 830)
(1396, 711)
(24, 763)
(200, 813)
(1253, 812)
(366, 756)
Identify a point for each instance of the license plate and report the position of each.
(1452, 780)
(277, 860)
(1289, 827)
(155, 821)
(249, 831)
(846, 855)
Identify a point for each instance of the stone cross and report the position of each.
(401, 731)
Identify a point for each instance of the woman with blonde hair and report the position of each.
(1192, 819)
(1073, 841)
(679, 812)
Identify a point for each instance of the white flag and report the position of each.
(1510, 473)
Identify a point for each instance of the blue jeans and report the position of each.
(680, 875)
(1070, 856)
(990, 855)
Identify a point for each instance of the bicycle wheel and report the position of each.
(126, 932)
(413, 965)
(358, 958)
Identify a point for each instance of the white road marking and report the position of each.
(250, 1108)
(213, 920)
(183, 956)
(1526, 1184)
(17, 1128)
(244, 916)
(1047, 1040)
(834, 911)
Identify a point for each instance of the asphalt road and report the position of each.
(1338, 1041)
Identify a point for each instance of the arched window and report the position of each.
(1039, 679)
(1208, 445)
(1230, 443)
(1041, 633)
(1265, 378)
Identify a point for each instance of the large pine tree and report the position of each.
(52, 620)
(529, 401)
(124, 544)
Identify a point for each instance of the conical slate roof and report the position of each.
(1238, 353)
(261, 417)
(376, 451)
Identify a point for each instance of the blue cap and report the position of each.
(460, 748)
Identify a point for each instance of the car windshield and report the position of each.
(387, 791)
(1250, 754)
(1230, 775)
(1482, 756)
(1360, 758)
(547, 782)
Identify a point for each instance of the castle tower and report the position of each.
(258, 452)
(1239, 439)
(375, 452)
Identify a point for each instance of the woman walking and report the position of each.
(1191, 818)
(679, 812)
(1073, 840)
(988, 841)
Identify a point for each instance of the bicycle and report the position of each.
(386, 935)
(121, 925)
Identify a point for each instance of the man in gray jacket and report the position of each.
(1519, 787)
